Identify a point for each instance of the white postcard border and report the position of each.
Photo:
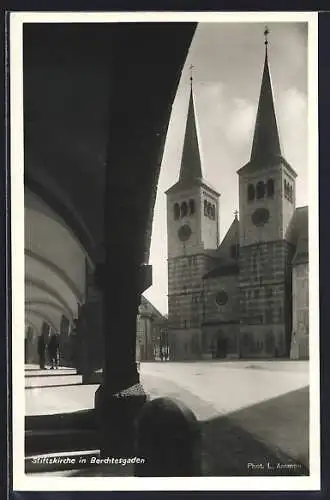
(23, 482)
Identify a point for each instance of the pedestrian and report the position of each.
(41, 351)
(53, 351)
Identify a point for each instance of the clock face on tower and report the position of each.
(260, 216)
(184, 233)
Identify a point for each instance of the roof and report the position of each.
(191, 166)
(230, 238)
(191, 173)
(227, 267)
(198, 181)
(297, 235)
(266, 148)
(148, 308)
(224, 263)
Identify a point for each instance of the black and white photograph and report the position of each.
(164, 205)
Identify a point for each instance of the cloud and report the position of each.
(228, 61)
(292, 121)
(292, 105)
(227, 118)
(240, 121)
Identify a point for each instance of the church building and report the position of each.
(246, 296)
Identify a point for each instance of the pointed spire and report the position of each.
(266, 142)
(191, 173)
(191, 166)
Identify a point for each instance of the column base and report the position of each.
(116, 414)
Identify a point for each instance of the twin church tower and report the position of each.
(246, 296)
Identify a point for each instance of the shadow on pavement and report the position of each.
(267, 439)
(263, 439)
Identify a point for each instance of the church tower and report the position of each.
(192, 228)
(267, 204)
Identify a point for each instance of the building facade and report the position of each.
(151, 333)
(246, 296)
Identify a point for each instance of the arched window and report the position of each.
(286, 186)
(205, 207)
(176, 211)
(270, 188)
(213, 212)
(184, 209)
(291, 194)
(251, 192)
(209, 210)
(260, 190)
(191, 207)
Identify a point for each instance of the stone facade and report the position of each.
(220, 325)
(279, 206)
(300, 337)
(151, 333)
(265, 298)
(248, 296)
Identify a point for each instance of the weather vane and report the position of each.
(236, 214)
(266, 33)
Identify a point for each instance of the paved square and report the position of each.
(239, 403)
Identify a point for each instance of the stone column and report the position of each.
(90, 343)
(120, 396)
(137, 130)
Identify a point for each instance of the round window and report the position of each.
(260, 216)
(221, 298)
(184, 233)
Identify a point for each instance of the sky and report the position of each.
(228, 61)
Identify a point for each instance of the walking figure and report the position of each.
(41, 351)
(53, 351)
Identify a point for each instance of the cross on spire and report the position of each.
(191, 67)
(191, 167)
(266, 143)
(236, 214)
(266, 33)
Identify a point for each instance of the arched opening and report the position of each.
(55, 280)
(250, 192)
(213, 212)
(205, 207)
(184, 209)
(192, 207)
(219, 345)
(176, 211)
(270, 188)
(291, 194)
(260, 190)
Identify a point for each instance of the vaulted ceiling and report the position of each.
(97, 101)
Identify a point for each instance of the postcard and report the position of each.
(164, 215)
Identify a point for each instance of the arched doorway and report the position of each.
(220, 345)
